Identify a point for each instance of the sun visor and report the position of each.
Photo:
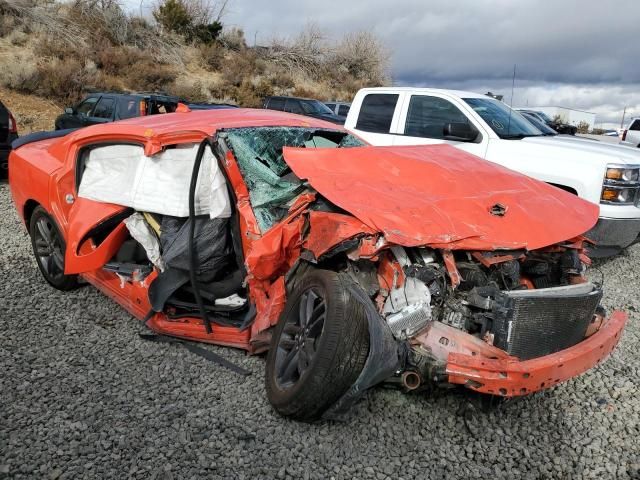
(123, 175)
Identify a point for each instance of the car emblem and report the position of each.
(498, 210)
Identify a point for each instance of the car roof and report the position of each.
(160, 96)
(197, 121)
(291, 98)
(458, 93)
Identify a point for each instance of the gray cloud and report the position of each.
(580, 54)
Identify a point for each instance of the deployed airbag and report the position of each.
(123, 175)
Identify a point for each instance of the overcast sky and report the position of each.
(580, 54)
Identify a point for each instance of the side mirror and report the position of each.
(68, 111)
(460, 132)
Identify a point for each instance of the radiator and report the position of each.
(534, 323)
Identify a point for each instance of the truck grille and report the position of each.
(534, 323)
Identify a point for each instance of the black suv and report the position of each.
(303, 106)
(8, 133)
(109, 107)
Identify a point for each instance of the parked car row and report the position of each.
(556, 125)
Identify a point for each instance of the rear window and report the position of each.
(276, 104)
(376, 112)
(343, 110)
(635, 125)
(128, 107)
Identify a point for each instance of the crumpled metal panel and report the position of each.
(440, 196)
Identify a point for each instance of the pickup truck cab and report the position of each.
(604, 174)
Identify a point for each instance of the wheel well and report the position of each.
(29, 207)
(565, 188)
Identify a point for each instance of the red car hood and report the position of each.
(441, 196)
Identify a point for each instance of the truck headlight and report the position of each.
(619, 195)
(623, 174)
(621, 184)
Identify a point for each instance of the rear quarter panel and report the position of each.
(30, 171)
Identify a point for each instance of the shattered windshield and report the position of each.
(507, 123)
(271, 183)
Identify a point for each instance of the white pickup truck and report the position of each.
(605, 174)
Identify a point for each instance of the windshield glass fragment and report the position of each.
(271, 183)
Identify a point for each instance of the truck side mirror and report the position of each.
(460, 132)
(68, 111)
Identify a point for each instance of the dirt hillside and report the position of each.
(32, 113)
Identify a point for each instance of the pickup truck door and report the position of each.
(378, 116)
(423, 118)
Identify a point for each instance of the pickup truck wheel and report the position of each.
(49, 249)
(319, 347)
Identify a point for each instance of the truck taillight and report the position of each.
(143, 108)
(13, 127)
(624, 134)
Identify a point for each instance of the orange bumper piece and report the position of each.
(510, 377)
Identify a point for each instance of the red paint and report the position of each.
(510, 377)
(439, 196)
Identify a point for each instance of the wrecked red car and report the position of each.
(352, 265)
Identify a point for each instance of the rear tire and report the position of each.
(319, 347)
(49, 249)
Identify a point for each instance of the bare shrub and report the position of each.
(64, 80)
(251, 93)
(305, 52)
(150, 77)
(212, 55)
(233, 39)
(118, 60)
(238, 66)
(362, 56)
(186, 89)
(19, 73)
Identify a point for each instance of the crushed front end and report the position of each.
(506, 323)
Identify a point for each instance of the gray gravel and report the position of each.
(81, 396)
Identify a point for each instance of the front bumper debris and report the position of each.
(510, 377)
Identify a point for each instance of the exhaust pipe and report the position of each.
(411, 380)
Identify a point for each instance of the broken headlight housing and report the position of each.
(621, 185)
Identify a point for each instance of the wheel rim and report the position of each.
(48, 249)
(300, 338)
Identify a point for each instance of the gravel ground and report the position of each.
(81, 396)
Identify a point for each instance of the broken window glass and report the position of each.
(271, 184)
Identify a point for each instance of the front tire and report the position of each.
(49, 249)
(319, 347)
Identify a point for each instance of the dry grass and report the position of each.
(59, 51)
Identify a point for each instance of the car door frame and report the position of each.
(92, 120)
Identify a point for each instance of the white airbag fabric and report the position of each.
(123, 175)
(144, 235)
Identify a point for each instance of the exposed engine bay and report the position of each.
(525, 303)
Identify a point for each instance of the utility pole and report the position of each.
(624, 112)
